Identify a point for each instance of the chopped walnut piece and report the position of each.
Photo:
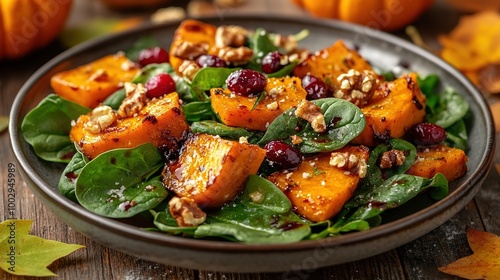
(230, 36)
(310, 112)
(135, 100)
(349, 162)
(188, 69)
(237, 56)
(357, 87)
(186, 212)
(296, 139)
(392, 158)
(100, 118)
(190, 50)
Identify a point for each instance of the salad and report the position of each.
(243, 135)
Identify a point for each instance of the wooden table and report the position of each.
(416, 260)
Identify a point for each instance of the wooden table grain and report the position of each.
(419, 259)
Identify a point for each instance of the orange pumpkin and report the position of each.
(380, 14)
(27, 25)
(134, 4)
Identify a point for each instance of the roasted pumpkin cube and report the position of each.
(212, 171)
(449, 161)
(194, 32)
(318, 188)
(160, 122)
(252, 113)
(394, 109)
(327, 64)
(90, 84)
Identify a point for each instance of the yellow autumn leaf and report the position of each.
(484, 263)
(28, 255)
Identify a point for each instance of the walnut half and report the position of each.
(349, 162)
(357, 87)
(186, 212)
(310, 112)
(392, 158)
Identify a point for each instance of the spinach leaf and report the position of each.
(208, 78)
(122, 182)
(216, 128)
(344, 120)
(151, 70)
(144, 42)
(394, 192)
(115, 100)
(198, 111)
(456, 135)
(450, 108)
(363, 211)
(67, 182)
(262, 214)
(261, 44)
(47, 128)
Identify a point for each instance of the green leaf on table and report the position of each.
(47, 128)
(4, 123)
(28, 255)
(121, 183)
(344, 122)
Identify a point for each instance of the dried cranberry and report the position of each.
(282, 154)
(315, 87)
(273, 62)
(153, 55)
(246, 82)
(159, 85)
(427, 134)
(208, 60)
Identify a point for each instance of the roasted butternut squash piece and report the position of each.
(452, 162)
(242, 111)
(90, 84)
(211, 170)
(318, 188)
(160, 122)
(192, 32)
(327, 64)
(395, 107)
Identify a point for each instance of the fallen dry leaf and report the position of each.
(484, 263)
(472, 47)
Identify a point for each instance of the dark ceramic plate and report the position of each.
(402, 225)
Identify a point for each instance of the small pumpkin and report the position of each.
(27, 25)
(380, 14)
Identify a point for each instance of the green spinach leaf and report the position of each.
(67, 182)
(115, 100)
(47, 128)
(450, 108)
(217, 128)
(208, 78)
(122, 182)
(198, 111)
(344, 120)
(143, 43)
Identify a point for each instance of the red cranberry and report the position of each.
(314, 87)
(246, 82)
(153, 55)
(427, 134)
(159, 85)
(272, 62)
(208, 60)
(282, 154)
